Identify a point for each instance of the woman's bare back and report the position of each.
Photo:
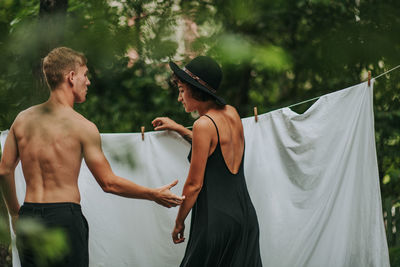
(231, 136)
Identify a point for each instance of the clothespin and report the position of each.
(142, 130)
(369, 78)
(255, 114)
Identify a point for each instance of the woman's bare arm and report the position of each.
(165, 123)
(202, 137)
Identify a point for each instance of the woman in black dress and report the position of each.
(224, 228)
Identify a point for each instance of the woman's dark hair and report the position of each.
(199, 95)
(196, 93)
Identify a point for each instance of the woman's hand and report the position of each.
(177, 233)
(165, 123)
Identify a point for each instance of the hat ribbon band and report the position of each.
(199, 80)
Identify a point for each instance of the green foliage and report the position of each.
(4, 230)
(273, 54)
(394, 256)
(49, 245)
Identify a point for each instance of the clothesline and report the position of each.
(315, 98)
(387, 72)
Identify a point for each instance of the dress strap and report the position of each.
(214, 125)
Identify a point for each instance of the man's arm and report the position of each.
(9, 161)
(111, 183)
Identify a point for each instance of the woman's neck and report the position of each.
(205, 107)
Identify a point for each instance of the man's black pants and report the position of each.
(65, 217)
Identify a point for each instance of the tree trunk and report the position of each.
(51, 28)
(52, 14)
(242, 99)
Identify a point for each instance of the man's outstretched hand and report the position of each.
(166, 198)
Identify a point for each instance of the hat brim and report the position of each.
(182, 75)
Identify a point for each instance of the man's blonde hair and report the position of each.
(59, 62)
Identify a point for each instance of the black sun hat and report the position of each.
(203, 73)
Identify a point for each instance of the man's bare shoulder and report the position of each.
(24, 115)
(84, 122)
(86, 128)
(89, 135)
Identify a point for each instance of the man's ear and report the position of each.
(71, 78)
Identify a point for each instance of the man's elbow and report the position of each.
(108, 186)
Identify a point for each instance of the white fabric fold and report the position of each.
(313, 179)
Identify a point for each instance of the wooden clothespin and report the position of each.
(255, 114)
(369, 78)
(142, 130)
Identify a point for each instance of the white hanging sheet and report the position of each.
(313, 179)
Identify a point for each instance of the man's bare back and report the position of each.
(50, 148)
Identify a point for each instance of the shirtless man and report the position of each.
(50, 139)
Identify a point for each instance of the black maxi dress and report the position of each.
(224, 228)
